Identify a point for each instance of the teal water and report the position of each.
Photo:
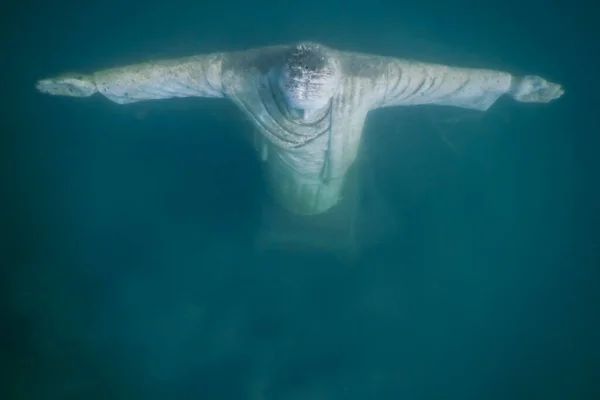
(127, 270)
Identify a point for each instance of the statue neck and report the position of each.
(308, 116)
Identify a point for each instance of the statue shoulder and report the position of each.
(362, 65)
(261, 59)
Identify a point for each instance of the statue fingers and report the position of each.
(67, 85)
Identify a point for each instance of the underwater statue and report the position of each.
(308, 104)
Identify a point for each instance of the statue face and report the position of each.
(309, 77)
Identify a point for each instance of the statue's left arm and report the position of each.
(194, 76)
(406, 82)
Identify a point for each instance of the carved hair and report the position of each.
(309, 71)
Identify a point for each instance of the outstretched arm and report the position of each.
(195, 76)
(408, 82)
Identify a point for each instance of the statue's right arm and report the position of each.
(195, 76)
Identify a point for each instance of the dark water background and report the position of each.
(126, 267)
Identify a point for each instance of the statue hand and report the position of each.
(534, 89)
(75, 85)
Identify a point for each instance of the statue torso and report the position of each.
(305, 174)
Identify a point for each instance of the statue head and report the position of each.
(309, 77)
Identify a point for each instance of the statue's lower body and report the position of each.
(359, 219)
